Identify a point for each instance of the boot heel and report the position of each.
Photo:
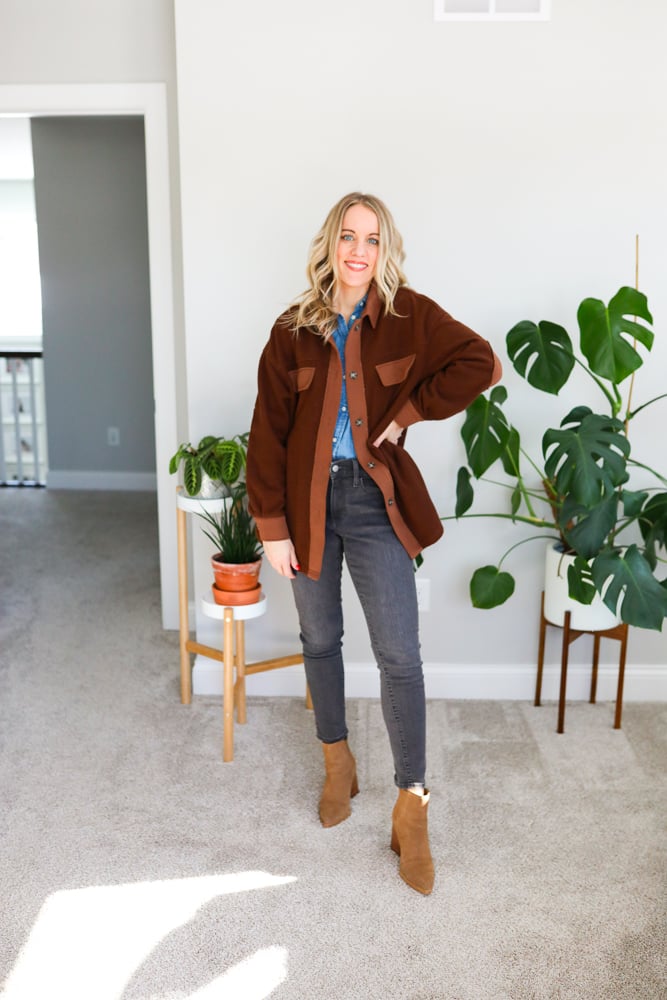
(395, 846)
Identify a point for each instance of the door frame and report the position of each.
(150, 101)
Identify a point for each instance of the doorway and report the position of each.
(149, 101)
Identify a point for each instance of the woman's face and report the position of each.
(357, 250)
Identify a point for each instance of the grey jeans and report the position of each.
(357, 527)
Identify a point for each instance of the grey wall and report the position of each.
(90, 193)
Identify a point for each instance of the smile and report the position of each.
(356, 265)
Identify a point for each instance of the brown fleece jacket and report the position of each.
(419, 365)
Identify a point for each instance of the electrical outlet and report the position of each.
(113, 436)
(423, 594)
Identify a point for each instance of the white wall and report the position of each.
(519, 160)
(15, 149)
(85, 41)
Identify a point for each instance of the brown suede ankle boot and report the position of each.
(340, 784)
(409, 838)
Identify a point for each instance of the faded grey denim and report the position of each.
(358, 528)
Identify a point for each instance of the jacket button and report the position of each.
(358, 422)
(371, 465)
(390, 502)
(353, 374)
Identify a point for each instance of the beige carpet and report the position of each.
(135, 864)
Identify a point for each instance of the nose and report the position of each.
(358, 248)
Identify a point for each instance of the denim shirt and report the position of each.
(343, 445)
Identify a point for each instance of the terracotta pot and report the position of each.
(595, 617)
(235, 598)
(236, 576)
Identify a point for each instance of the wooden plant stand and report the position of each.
(619, 632)
(232, 653)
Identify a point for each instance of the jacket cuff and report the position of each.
(407, 415)
(272, 529)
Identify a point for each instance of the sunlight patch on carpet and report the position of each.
(88, 942)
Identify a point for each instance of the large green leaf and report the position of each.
(485, 431)
(464, 492)
(602, 328)
(489, 587)
(231, 460)
(192, 475)
(542, 353)
(178, 457)
(585, 528)
(628, 574)
(653, 526)
(580, 581)
(212, 466)
(633, 500)
(207, 443)
(511, 453)
(587, 457)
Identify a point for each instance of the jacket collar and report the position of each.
(373, 306)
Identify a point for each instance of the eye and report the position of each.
(347, 236)
(373, 240)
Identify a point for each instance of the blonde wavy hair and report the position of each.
(314, 307)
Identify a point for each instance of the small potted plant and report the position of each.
(238, 557)
(210, 469)
(613, 537)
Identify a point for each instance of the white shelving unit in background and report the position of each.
(23, 449)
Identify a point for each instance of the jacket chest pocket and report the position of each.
(301, 378)
(394, 372)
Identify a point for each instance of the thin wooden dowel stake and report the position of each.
(634, 342)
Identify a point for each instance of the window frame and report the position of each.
(440, 13)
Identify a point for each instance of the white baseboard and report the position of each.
(445, 680)
(58, 479)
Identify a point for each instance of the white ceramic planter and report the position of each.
(211, 489)
(595, 617)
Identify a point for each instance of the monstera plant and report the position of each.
(579, 490)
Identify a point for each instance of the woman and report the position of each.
(357, 359)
